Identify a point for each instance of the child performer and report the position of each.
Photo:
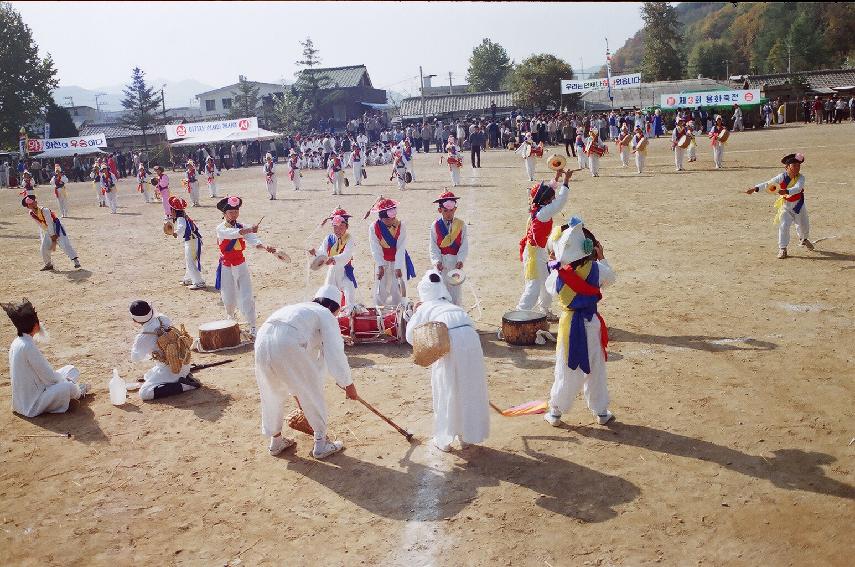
(58, 181)
(544, 205)
(294, 170)
(455, 162)
(142, 186)
(790, 204)
(338, 248)
(623, 143)
(387, 239)
(210, 176)
(639, 148)
(51, 233)
(192, 183)
(449, 244)
(399, 170)
(679, 153)
(109, 188)
(580, 354)
(187, 230)
(717, 145)
(270, 176)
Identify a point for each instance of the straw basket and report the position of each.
(430, 343)
(297, 421)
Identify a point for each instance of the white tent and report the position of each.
(234, 136)
(68, 152)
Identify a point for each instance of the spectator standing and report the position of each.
(476, 141)
(839, 110)
(427, 136)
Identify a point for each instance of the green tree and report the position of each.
(537, 81)
(309, 84)
(26, 80)
(707, 58)
(662, 59)
(245, 99)
(61, 124)
(776, 61)
(489, 67)
(291, 113)
(141, 102)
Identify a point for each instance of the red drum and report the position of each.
(455, 161)
(375, 325)
(538, 151)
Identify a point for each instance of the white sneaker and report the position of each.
(440, 446)
(84, 389)
(552, 419)
(605, 418)
(279, 444)
(186, 282)
(198, 286)
(782, 253)
(325, 448)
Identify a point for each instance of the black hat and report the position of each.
(141, 311)
(232, 203)
(541, 194)
(26, 200)
(23, 315)
(793, 158)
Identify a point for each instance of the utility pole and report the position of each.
(449, 83)
(581, 68)
(98, 103)
(788, 56)
(163, 102)
(727, 69)
(422, 91)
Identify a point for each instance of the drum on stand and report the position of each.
(521, 327)
(372, 325)
(218, 335)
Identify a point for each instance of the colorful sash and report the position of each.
(57, 185)
(579, 292)
(536, 235)
(39, 217)
(449, 241)
(192, 231)
(107, 183)
(336, 246)
(231, 254)
(389, 243)
(798, 199)
(191, 174)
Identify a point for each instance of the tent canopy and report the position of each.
(68, 152)
(239, 136)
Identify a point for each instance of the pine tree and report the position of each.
(245, 100)
(489, 67)
(61, 124)
(309, 84)
(141, 101)
(26, 80)
(662, 59)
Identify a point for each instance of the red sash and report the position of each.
(537, 233)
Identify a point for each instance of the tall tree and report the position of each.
(142, 103)
(245, 100)
(662, 59)
(489, 67)
(707, 59)
(61, 124)
(290, 113)
(537, 81)
(309, 84)
(26, 80)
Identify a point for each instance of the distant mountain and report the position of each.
(177, 94)
(756, 37)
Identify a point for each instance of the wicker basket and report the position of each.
(430, 343)
(297, 421)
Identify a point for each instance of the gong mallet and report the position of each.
(368, 212)
(398, 428)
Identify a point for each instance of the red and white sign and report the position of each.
(37, 145)
(211, 130)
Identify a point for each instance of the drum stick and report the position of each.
(368, 212)
(497, 408)
(399, 429)
(259, 220)
(195, 367)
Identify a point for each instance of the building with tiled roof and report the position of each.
(347, 91)
(822, 81)
(455, 105)
(121, 138)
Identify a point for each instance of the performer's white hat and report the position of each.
(431, 287)
(330, 292)
(571, 245)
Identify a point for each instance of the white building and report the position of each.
(219, 101)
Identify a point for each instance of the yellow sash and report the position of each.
(781, 202)
(456, 227)
(339, 245)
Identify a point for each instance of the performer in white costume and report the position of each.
(639, 148)
(387, 239)
(36, 387)
(296, 346)
(338, 248)
(51, 233)
(458, 379)
(192, 182)
(58, 182)
(270, 176)
(186, 229)
(449, 243)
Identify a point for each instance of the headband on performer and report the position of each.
(141, 311)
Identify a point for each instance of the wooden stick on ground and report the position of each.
(399, 429)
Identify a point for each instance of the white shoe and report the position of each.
(186, 282)
(440, 446)
(84, 389)
(605, 418)
(325, 448)
(782, 253)
(252, 333)
(198, 286)
(279, 444)
(552, 419)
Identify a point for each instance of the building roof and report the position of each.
(235, 85)
(821, 78)
(341, 77)
(448, 104)
(116, 130)
(647, 94)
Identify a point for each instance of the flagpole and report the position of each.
(609, 74)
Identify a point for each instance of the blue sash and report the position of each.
(191, 229)
(58, 228)
(584, 308)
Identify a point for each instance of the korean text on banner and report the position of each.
(36, 145)
(618, 82)
(710, 98)
(205, 129)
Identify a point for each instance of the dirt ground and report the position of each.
(730, 373)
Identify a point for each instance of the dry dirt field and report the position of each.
(731, 375)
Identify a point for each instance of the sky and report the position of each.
(97, 44)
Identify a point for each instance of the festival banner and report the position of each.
(617, 82)
(710, 98)
(36, 145)
(205, 129)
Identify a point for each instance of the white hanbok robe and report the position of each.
(60, 193)
(640, 155)
(144, 345)
(388, 290)
(448, 261)
(294, 350)
(235, 281)
(36, 387)
(789, 216)
(192, 250)
(458, 379)
(336, 272)
(270, 178)
(46, 233)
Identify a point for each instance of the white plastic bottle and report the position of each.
(118, 390)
